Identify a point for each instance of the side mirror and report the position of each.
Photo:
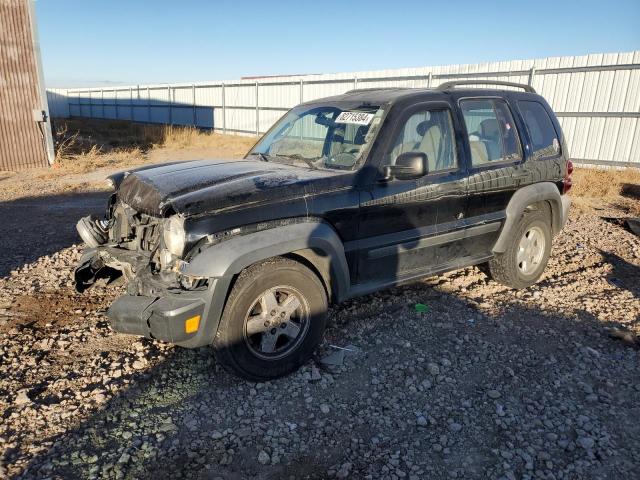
(409, 165)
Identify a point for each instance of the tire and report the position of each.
(257, 344)
(507, 269)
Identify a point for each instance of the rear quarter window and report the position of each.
(544, 138)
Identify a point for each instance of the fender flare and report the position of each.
(538, 192)
(221, 261)
(230, 257)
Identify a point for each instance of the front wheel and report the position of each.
(273, 320)
(527, 254)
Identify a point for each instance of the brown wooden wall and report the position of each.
(22, 143)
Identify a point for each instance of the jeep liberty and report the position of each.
(343, 196)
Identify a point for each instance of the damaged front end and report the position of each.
(145, 252)
(125, 243)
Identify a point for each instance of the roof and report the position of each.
(392, 94)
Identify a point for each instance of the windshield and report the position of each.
(325, 136)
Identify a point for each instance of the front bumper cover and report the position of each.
(161, 318)
(155, 306)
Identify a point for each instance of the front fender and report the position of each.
(231, 256)
(223, 260)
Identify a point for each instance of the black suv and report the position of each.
(343, 196)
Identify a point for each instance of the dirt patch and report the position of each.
(49, 309)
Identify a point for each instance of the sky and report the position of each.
(100, 42)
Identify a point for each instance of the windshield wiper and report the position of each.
(305, 160)
(263, 156)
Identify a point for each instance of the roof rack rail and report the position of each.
(455, 83)
(372, 89)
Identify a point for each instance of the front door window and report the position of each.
(429, 132)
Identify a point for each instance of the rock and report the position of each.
(264, 458)
(592, 351)
(493, 394)
(324, 408)
(433, 368)
(586, 442)
(422, 422)
(344, 471)
(22, 398)
(455, 427)
(99, 397)
(167, 427)
(139, 365)
(315, 374)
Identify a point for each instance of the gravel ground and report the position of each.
(487, 383)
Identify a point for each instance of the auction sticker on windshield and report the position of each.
(358, 118)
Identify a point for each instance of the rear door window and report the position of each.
(492, 133)
(544, 138)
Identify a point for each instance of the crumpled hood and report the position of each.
(203, 186)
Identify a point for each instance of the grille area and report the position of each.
(134, 231)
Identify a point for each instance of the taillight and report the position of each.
(567, 182)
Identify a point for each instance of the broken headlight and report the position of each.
(174, 236)
(189, 282)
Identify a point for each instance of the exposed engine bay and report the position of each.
(130, 244)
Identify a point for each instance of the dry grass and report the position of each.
(185, 137)
(595, 188)
(94, 159)
(605, 184)
(86, 145)
(114, 134)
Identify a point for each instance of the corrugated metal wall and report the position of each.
(24, 142)
(596, 97)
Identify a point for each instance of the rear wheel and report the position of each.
(527, 254)
(274, 319)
